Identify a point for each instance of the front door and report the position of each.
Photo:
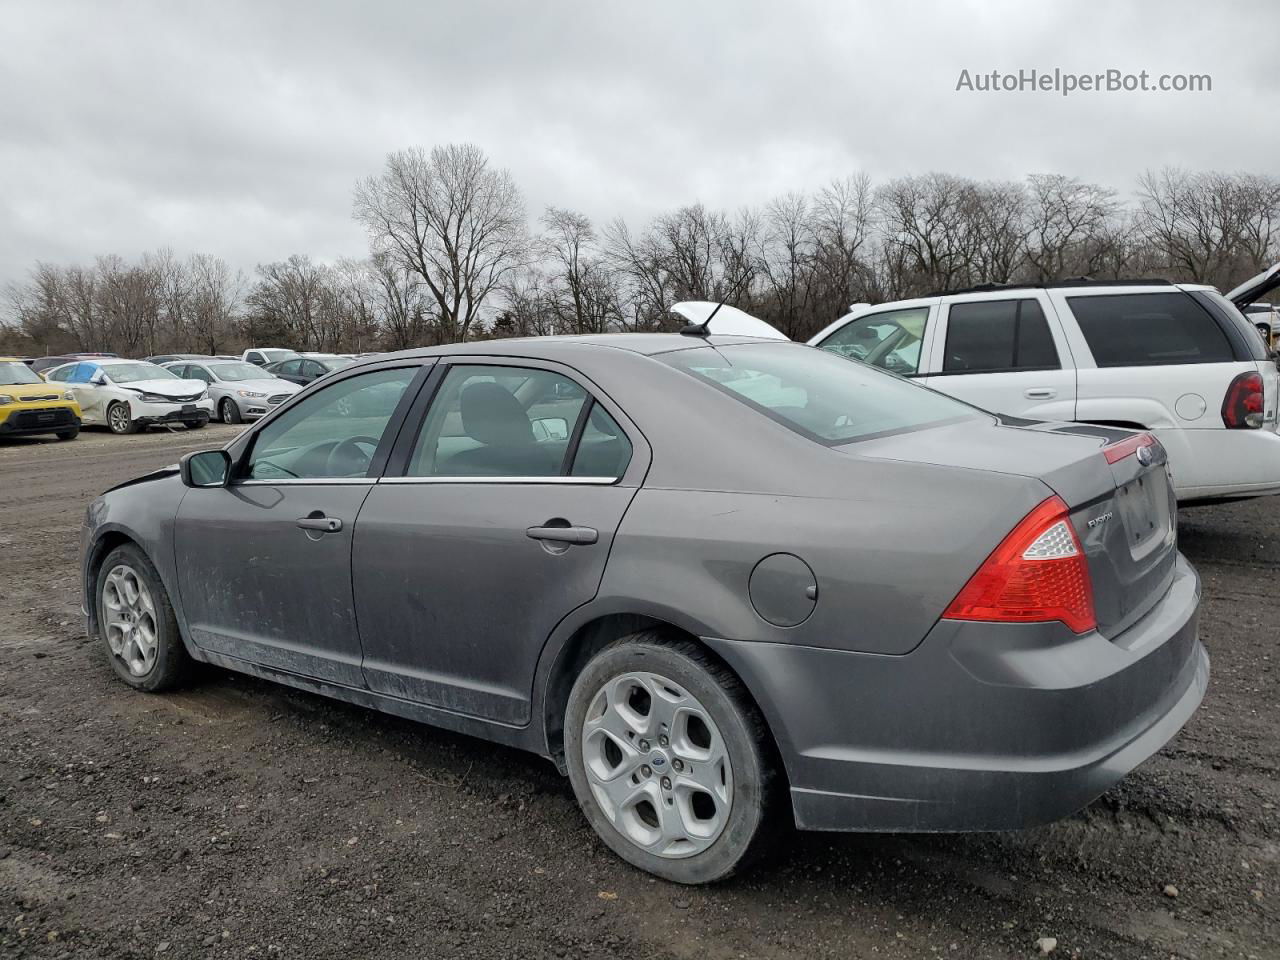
(498, 525)
(264, 564)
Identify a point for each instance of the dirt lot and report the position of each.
(240, 819)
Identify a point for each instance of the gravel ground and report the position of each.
(242, 819)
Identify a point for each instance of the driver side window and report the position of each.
(331, 434)
(890, 340)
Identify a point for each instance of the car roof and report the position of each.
(549, 348)
(1070, 283)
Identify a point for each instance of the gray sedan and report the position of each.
(715, 580)
(240, 391)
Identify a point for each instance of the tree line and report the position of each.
(454, 255)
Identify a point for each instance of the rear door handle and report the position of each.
(578, 535)
(323, 524)
(1040, 393)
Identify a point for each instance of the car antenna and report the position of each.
(703, 329)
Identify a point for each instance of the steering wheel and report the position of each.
(350, 450)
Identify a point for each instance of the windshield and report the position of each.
(336, 363)
(15, 372)
(133, 372)
(818, 394)
(236, 371)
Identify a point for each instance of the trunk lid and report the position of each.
(1256, 287)
(1123, 512)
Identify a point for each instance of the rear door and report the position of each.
(1004, 353)
(494, 521)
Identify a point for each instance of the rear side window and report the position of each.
(818, 394)
(1149, 329)
(998, 336)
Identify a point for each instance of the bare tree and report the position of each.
(1065, 219)
(582, 292)
(451, 218)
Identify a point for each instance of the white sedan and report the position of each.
(130, 395)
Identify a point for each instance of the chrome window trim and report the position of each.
(587, 481)
(303, 481)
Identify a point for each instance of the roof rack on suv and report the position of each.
(1067, 282)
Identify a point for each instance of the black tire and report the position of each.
(69, 434)
(172, 665)
(194, 424)
(756, 785)
(114, 423)
(229, 411)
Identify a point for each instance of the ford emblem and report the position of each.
(1145, 455)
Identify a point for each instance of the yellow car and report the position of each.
(30, 405)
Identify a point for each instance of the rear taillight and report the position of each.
(1242, 407)
(1037, 574)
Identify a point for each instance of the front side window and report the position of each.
(198, 373)
(498, 421)
(289, 368)
(995, 336)
(83, 373)
(1149, 329)
(333, 433)
(15, 373)
(62, 374)
(890, 340)
(818, 394)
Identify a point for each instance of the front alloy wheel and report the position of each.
(129, 619)
(670, 759)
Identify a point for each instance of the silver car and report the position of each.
(240, 391)
(715, 580)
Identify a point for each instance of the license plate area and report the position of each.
(1143, 508)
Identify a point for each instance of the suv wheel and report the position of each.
(137, 624)
(669, 758)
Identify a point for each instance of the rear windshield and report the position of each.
(1150, 329)
(819, 394)
(14, 373)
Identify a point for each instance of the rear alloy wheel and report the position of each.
(137, 623)
(229, 412)
(119, 420)
(668, 758)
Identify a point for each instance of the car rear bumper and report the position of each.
(983, 726)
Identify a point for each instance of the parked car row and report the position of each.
(58, 394)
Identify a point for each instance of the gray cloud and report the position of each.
(240, 128)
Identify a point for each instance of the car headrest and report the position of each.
(493, 416)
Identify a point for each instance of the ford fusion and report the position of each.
(715, 580)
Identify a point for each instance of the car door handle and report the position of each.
(1040, 393)
(322, 523)
(566, 534)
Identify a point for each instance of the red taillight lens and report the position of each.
(1242, 407)
(1037, 574)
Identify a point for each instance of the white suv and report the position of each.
(1180, 360)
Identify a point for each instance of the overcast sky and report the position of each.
(238, 129)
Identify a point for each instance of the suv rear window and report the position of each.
(997, 336)
(818, 394)
(1149, 329)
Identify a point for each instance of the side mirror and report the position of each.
(205, 468)
(551, 428)
(98, 379)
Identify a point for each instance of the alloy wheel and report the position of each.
(129, 618)
(118, 417)
(657, 765)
